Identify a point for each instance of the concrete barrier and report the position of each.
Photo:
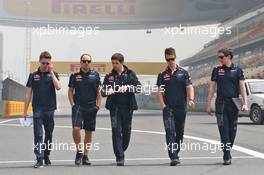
(12, 95)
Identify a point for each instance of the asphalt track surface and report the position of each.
(146, 153)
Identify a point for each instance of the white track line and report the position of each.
(235, 147)
(131, 159)
(9, 120)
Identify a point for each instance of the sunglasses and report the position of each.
(45, 63)
(86, 61)
(221, 57)
(170, 59)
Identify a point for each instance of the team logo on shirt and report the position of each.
(166, 77)
(78, 78)
(221, 72)
(233, 71)
(36, 77)
(180, 75)
(111, 79)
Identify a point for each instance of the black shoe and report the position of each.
(85, 160)
(78, 158)
(175, 162)
(120, 163)
(47, 160)
(227, 162)
(39, 164)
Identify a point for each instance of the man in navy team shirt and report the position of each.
(42, 84)
(85, 99)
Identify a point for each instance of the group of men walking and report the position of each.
(85, 92)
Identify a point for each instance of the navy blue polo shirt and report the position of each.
(44, 93)
(85, 87)
(227, 80)
(175, 95)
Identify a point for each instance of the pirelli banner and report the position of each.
(115, 13)
(92, 10)
(105, 67)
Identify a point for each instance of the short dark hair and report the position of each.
(170, 51)
(226, 52)
(85, 54)
(119, 57)
(44, 55)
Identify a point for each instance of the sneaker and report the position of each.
(227, 162)
(47, 160)
(39, 164)
(78, 158)
(85, 160)
(175, 162)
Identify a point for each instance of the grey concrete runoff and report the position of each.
(147, 152)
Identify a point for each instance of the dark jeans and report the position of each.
(174, 122)
(227, 116)
(121, 121)
(46, 119)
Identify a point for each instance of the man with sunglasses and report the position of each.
(120, 86)
(85, 99)
(229, 80)
(174, 87)
(42, 85)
